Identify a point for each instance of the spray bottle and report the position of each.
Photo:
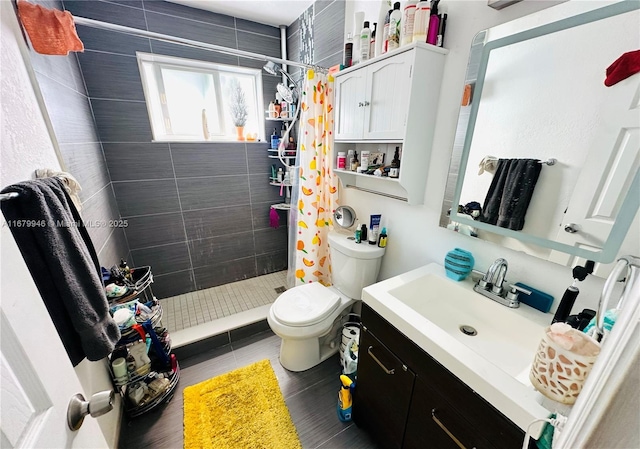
(345, 400)
(571, 293)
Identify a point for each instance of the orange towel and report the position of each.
(51, 31)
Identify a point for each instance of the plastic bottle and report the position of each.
(408, 19)
(365, 42)
(341, 162)
(421, 21)
(385, 33)
(272, 110)
(393, 37)
(354, 162)
(280, 177)
(275, 140)
(348, 51)
(345, 400)
(382, 239)
(434, 24)
(277, 108)
(372, 45)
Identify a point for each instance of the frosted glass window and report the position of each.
(192, 100)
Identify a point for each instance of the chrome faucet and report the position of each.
(491, 285)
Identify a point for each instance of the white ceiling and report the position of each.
(271, 12)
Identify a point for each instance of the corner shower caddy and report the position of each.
(290, 157)
(163, 364)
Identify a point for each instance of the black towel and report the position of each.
(64, 265)
(510, 193)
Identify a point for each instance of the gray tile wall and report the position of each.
(328, 30)
(67, 104)
(198, 213)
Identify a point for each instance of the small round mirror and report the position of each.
(344, 216)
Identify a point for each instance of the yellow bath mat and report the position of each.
(243, 409)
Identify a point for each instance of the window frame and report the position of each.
(158, 111)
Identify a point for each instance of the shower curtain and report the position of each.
(315, 193)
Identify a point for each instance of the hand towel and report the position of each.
(51, 31)
(510, 193)
(622, 68)
(64, 266)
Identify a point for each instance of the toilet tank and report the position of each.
(353, 265)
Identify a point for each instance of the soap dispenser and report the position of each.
(570, 295)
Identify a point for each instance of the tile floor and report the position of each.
(202, 306)
(310, 396)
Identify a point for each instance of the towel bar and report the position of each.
(388, 195)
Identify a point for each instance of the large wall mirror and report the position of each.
(538, 93)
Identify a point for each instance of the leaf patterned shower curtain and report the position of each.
(318, 186)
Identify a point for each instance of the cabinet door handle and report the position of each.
(360, 104)
(442, 426)
(384, 368)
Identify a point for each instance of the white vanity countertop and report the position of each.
(515, 397)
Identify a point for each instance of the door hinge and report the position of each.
(163, 98)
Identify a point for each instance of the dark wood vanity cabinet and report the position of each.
(405, 399)
(382, 397)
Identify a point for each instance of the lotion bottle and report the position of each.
(421, 21)
(385, 33)
(408, 19)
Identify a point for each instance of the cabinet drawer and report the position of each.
(433, 422)
(382, 394)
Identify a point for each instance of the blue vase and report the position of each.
(458, 263)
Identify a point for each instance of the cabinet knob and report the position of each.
(366, 103)
(360, 104)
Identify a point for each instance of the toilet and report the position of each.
(308, 318)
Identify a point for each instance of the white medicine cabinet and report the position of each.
(387, 102)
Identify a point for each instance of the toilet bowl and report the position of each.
(309, 317)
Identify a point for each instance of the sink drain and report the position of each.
(468, 330)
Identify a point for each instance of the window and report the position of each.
(192, 100)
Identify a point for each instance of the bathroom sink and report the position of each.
(494, 331)
(488, 346)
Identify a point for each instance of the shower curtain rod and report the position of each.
(190, 43)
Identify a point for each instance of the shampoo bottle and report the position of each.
(348, 51)
(365, 42)
(275, 140)
(382, 238)
(394, 28)
(434, 24)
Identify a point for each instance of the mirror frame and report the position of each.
(631, 203)
(339, 214)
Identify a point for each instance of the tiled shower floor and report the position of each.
(193, 308)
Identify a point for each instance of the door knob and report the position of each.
(99, 404)
(571, 228)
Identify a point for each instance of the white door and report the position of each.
(350, 105)
(389, 84)
(613, 160)
(37, 379)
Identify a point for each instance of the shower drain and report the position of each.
(468, 330)
(280, 289)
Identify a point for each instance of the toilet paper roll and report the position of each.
(119, 367)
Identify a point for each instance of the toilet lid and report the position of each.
(305, 305)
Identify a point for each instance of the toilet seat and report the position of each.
(305, 305)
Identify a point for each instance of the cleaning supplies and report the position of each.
(571, 293)
(345, 399)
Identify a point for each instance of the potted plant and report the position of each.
(238, 107)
